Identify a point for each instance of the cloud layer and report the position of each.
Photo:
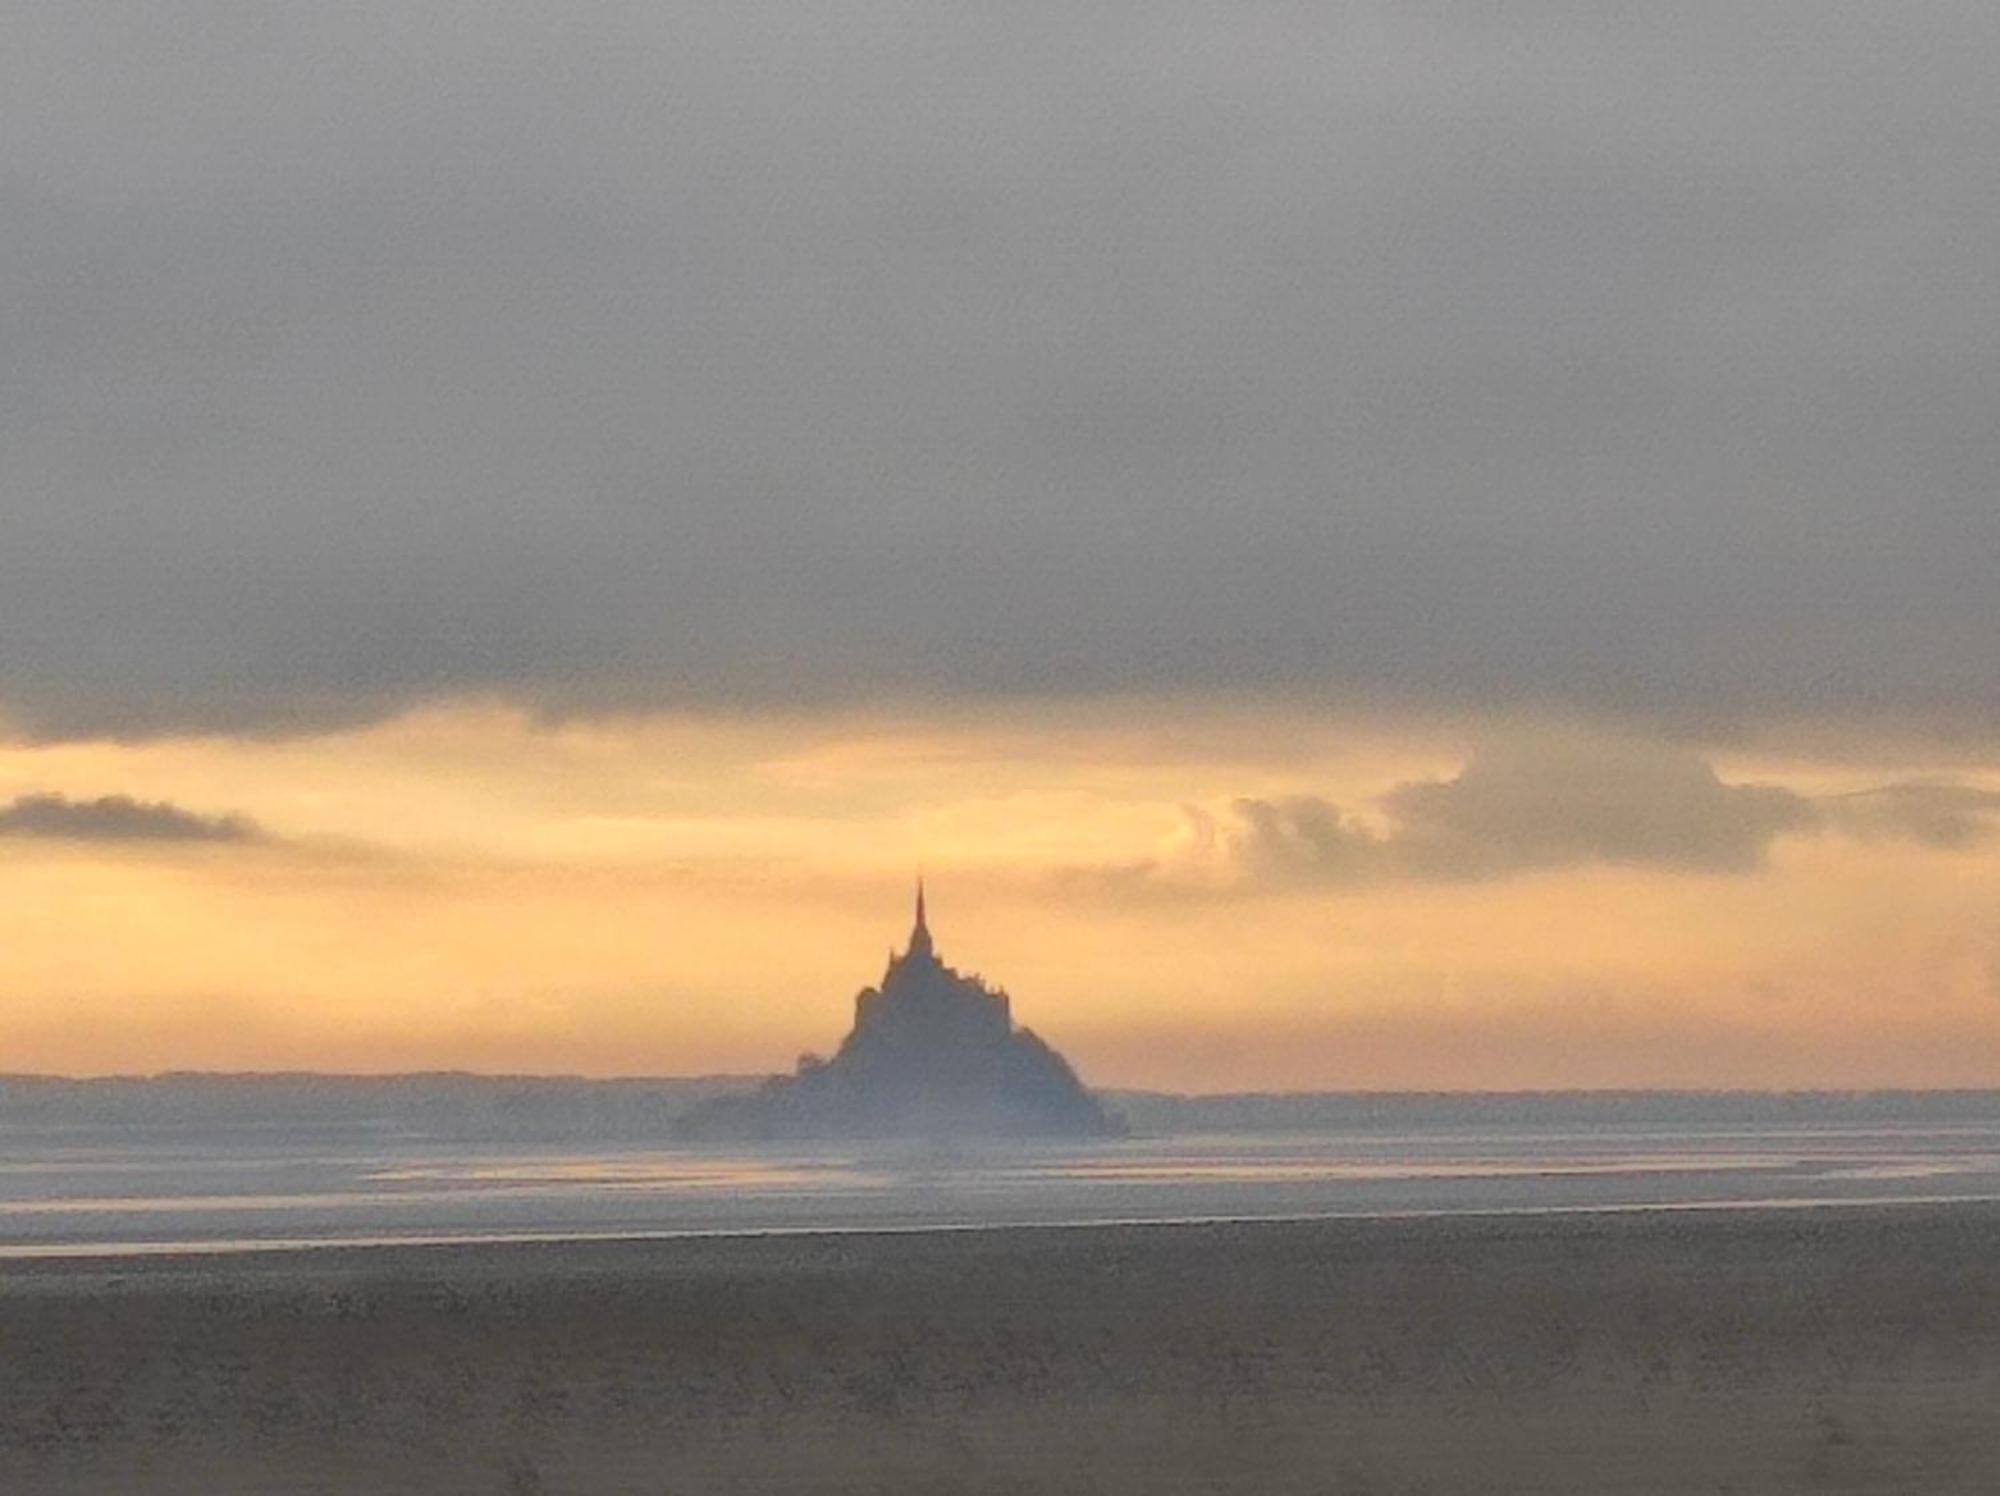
(118, 818)
(1634, 359)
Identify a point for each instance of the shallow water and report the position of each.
(65, 1191)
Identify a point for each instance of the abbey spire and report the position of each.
(920, 934)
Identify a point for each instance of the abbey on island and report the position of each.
(933, 1053)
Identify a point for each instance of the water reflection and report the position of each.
(65, 1194)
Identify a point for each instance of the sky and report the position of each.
(1385, 545)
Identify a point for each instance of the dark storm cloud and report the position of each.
(1629, 358)
(1554, 801)
(118, 818)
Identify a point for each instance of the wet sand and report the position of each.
(1733, 1351)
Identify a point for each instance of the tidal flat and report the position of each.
(1847, 1349)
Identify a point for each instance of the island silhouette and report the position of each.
(934, 1053)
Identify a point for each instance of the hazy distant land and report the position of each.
(1765, 1352)
(526, 1108)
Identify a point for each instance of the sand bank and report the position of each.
(1821, 1350)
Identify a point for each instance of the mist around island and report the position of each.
(461, 1107)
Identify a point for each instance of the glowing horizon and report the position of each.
(1189, 895)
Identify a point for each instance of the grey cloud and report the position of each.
(1933, 814)
(1560, 802)
(1302, 838)
(1634, 359)
(118, 818)
(1522, 805)
(1553, 801)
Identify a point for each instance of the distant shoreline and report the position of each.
(743, 1080)
(553, 1108)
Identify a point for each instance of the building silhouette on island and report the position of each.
(932, 1054)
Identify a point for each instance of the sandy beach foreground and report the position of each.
(1751, 1352)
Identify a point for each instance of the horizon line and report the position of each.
(576, 1078)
